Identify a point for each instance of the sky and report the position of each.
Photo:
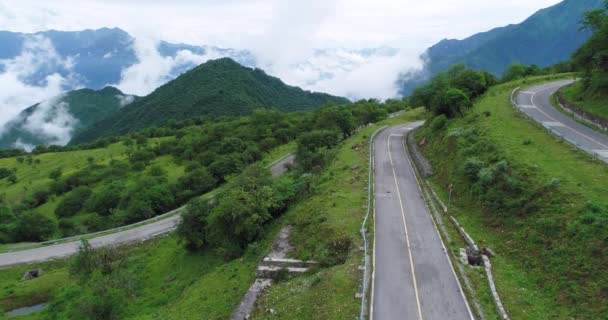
(284, 36)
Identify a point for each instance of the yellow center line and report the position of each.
(407, 238)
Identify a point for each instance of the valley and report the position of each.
(150, 178)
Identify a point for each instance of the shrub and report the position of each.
(439, 122)
(33, 226)
(107, 199)
(73, 202)
(56, 174)
(192, 229)
(472, 167)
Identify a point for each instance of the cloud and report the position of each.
(52, 122)
(284, 35)
(20, 87)
(124, 100)
(152, 69)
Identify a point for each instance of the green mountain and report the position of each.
(549, 36)
(56, 120)
(217, 87)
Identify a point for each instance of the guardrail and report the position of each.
(515, 105)
(370, 204)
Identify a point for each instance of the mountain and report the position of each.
(95, 58)
(217, 87)
(54, 121)
(549, 36)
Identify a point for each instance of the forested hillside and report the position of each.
(549, 36)
(54, 121)
(216, 88)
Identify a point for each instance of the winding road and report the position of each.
(413, 277)
(132, 235)
(536, 103)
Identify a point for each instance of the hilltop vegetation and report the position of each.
(547, 37)
(591, 93)
(217, 87)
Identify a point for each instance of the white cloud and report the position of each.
(283, 34)
(16, 93)
(152, 69)
(52, 121)
(125, 100)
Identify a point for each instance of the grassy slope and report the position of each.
(597, 105)
(35, 176)
(174, 284)
(330, 293)
(529, 292)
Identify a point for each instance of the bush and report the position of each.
(439, 123)
(73, 202)
(33, 226)
(107, 199)
(472, 166)
(192, 229)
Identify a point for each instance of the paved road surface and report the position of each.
(280, 167)
(413, 277)
(140, 233)
(535, 102)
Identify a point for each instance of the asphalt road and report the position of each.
(136, 234)
(413, 277)
(280, 167)
(535, 102)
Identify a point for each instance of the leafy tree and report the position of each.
(198, 181)
(592, 57)
(192, 228)
(513, 72)
(107, 199)
(457, 102)
(73, 202)
(56, 174)
(33, 226)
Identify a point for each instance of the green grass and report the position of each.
(16, 293)
(34, 176)
(174, 284)
(538, 276)
(278, 153)
(340, 195)
(597, 105)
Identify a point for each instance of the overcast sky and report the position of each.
(243, 23)
(282, 34)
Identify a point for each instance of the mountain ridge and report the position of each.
(220, 87)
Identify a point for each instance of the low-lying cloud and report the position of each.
(52, 122)
(18, 91)
(153, 70)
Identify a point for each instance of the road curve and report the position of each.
(536, 103)
(413, 277)
(133, 235)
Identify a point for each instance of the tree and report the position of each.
(107, 199)
(73, 202)
(192, 228)
(592, 57)
(56, 174)
(33, 226)
(457, 102)
(513, 72)
(198, 181)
